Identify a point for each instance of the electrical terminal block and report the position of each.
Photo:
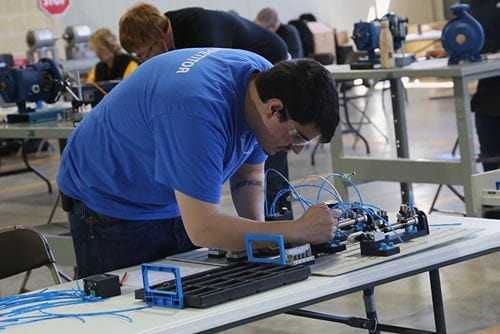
(216, 253)
(299, 254)
(236, 256)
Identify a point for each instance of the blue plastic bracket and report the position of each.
(265, 237)
(163, 298)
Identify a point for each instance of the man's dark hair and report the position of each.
(307, 90)
(309, 17)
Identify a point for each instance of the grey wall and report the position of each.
(340, 14)
(18, 16)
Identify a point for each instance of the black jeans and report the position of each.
(104, 243)
(488, 132)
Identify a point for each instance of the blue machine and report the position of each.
(366, 35)
(43, 81)
(35, 82)
(463, 36)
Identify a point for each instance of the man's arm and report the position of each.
(247, 190)
(207, 226)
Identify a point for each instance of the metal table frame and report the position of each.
(59, 130)
(403, 169)
(292, 297)
(51, 130)
(368, 293)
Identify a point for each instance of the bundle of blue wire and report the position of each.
(29, 308)
(270, 210)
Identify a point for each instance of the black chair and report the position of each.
(23, 249)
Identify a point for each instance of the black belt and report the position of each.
(67, 202)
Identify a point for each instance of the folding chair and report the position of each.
(23, 249)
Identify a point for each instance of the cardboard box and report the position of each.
(323, 35)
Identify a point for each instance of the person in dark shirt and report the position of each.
(268, 18)
(306, 36)
(145, 32)
(113, 63)
(486, 103)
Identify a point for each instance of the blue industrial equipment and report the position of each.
(35, 82)
(366, 35)
(463, 36)
(43, 81)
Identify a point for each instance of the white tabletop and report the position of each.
(158, 320)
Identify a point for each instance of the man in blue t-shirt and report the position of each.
(161, 145)
(146, 32)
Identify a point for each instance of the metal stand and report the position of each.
(402, 146)
(370, 309)
(437, 301)
(455, 191)
(355, 322)
(350, 126)
(27, 169)
(372, 324)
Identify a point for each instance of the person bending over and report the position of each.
(146, 32)
(143, 173)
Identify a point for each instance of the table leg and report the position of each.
(400, 129)
(371, 311)
(437, 301)
(465, 140)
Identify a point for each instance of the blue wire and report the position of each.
(44, 299)
(346, 206)
(276, 199)
(315, 186)
(339, 198)
(280, 193)
(371, 213)
(266, 209)
(411, 200)
(353, 184)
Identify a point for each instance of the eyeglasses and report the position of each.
(143, 56)
(297, 138)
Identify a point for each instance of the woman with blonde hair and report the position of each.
(113, 64)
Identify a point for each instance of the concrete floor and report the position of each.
(470, 289)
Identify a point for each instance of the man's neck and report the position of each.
(251, 100)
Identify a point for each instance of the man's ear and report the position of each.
(272, 106)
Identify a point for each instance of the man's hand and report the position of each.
(318, 224)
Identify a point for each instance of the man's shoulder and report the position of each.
(198, 13)
(287, 29)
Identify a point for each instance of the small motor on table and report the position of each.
(366, 37)
(33, 83)
(463, 36)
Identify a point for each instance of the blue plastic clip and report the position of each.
(334, 242)
(359, 227)
(385, 246)
(412, 229)
(265, 237)
(163, 298)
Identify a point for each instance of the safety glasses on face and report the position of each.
(297, 138)
(143, 56)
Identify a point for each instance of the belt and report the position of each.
(67, 202)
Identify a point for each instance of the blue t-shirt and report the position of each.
(177, 122)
